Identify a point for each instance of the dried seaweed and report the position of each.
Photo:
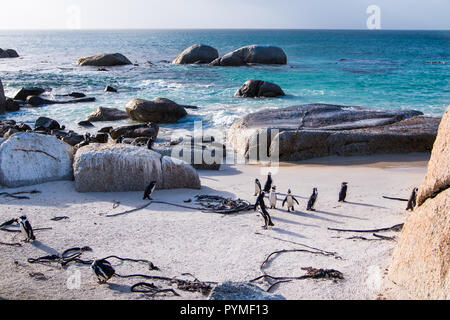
(395, 228)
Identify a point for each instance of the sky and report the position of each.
(175, 14)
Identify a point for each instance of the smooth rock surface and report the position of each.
(107, 114)
(241, 291)
(252, 54)
(105, 60)
(24, 93)
(159, 110)
(8, 53)
(197, 53)
(29, 159)
(140, 130)
(179, 174)
(259, 88)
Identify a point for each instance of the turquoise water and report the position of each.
(376, 69)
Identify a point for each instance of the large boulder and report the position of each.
(159, 110)
(2, 99)
(36, 101)
(8, 53)
(24, 93)
(259, 88)
(319, 130)
(252, 54)
(105, 60)
(198, 54)
(123, 168)
(149, 130)
(29, 158)
(47, 124)
(107, 114)
(421, 261)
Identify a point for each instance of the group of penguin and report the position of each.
(290, 199)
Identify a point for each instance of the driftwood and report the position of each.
(395, 228)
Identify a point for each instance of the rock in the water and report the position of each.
(421, 262)
(104, 60)
(242, 291)
(29, 158)
(47, 123)
(179, 174)
(252, 54)
(100, 138)
(105, 130)
(24, 93)
(107, 114)
(8, 53)
(159, 110)
(123, 168)
(319, 130)
(110, 89)
(2, 99)
(140, 130)
(86, 124)
(198, 54)
(259, 88)
(36, 101)
(73, 138)
(12, 105)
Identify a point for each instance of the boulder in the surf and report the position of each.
(258, 89)
(8, 53)
(159, 110)
(254, 54)
(149, 130)
(107, 114)
(197, 54)
(105, 60)
(24, 93)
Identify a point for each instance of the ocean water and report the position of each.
(375, 69)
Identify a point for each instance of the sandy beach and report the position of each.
(216, 247)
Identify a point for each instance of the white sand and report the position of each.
(214, 247)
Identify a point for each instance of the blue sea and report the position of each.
(375, 69)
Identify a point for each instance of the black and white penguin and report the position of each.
(102, 270)
(412, 200)
(273, 198)
(262, 205)
(269, 182)
(258, 187)
(26, 228)
(149, 191)
(343, 192)
(312, 201)
(290, 201)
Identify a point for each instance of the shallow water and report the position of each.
(376, 69)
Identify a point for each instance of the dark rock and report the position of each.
(105, 130)
(141, 130)
(102, 70)
(36, 101)
(8, 53)
(104, 60)
(74, 95)
(12, 105)
(2, 99)
(73, 139)
(24, 93)
(197, 54)
(252, 54)
(100, 138)
(107, 114)
(47, 123)
(159, 110)
(110, 89)
(259, 88)
(85, 124)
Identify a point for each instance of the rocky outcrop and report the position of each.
(319, 130)
(123, 168)
(29, 158)
(421, 261)
(24, 93)
(47, 124)
(159, 110)
(107, 114)
(8, 53)
(2, 99)
(149, 130)
(259, 88)
(198, 54)
(105, 60)
(252, 55)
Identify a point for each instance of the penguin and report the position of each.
(290, 201)
(150, 144)
(269, 182)
(262, 205)
(120, 139)
(343, 193)
(102, 270)
(273, 198)
(413, 200)
(26, 228)
(148, 192)
(312, 200)
(258, 188)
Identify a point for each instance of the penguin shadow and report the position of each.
(289, 233)
(365, 205)
(294, 222)
(336, 215)
(284, 195)
(119, 288)
(312, 216)
(39, 245)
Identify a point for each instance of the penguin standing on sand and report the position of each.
(273, 198)
(102, 270)
(269, 182)
(290, 201)
(258, 187)
(413, 200)
(312, 201)
(26, 228)
(149, 191)
(262, 205)
(343, 193)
